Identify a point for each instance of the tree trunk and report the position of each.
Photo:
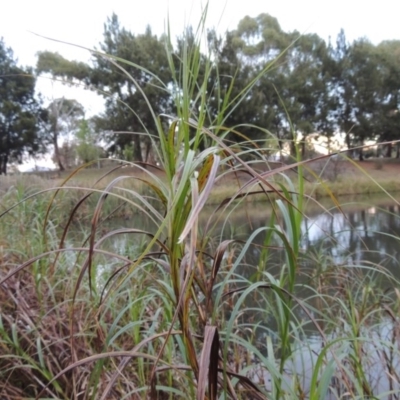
(58, 156)
(398, 150)
(303, 149)
(137, 149)
(147, 155)
(280, 144)
(3, 164)
(348, 144)
(389, 150)
(293, 147)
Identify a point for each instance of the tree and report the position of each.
(59, 120)
(19, 132)
(127, 110)
(358, 87)
(57, 65)
(342, 89)
(388, 118)
(306, 87)
(67, 154)
(242, 56)
(88, 148)
(292, 92)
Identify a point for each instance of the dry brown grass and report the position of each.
(39, 341)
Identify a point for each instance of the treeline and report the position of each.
(27, 127)
(280, 83)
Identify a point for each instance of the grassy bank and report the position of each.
(345, 178)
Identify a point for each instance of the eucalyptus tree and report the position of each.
(19, 133)
(304, 88)
(291, 89)
(60, 120)
(134, 90)
(248, 68)
(88, 146)
(388, 53)
(342, 89)
(364, 80)
(227, 76)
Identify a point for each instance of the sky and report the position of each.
(81, 22)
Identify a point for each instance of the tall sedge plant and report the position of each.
(189, 176)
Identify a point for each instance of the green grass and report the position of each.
(358, 182)
(178, 311)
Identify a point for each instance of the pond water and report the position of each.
(364, 231)
(380, 365)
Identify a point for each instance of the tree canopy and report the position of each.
(19, 110)
(304, 84)
(285, 84)
(59, 120)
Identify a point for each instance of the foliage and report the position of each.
(312, 87)
(88, 148)
(59, 121)
(67, 155)
(128, 153)
(19, 110)
(54, 63)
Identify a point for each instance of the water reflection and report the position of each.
(380, 362)
(358, 233)
(356, 236)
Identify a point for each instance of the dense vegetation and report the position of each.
(185, 308)
(19, 111)
(305, 85)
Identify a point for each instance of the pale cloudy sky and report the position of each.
(81, 22)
